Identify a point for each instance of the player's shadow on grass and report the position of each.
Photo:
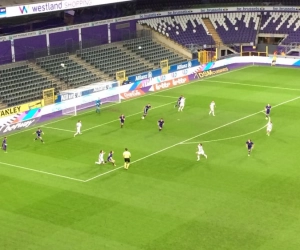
(92, 170)
(111, 131)
(64, 139)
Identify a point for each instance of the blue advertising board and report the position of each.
(184, 65)
(145, 75)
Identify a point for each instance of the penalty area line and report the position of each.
(41, 172)
(167, 96)
(224, 139)
(137, 113)
(191, 138)
(59, 129)
(253, 85)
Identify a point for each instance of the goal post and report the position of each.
(76, 106)
(164, 65)
(121, 76)
(48, 96)
(75, 100)
(203, 57)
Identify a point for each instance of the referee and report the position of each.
(126, 156)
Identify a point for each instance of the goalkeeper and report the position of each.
(98, 104)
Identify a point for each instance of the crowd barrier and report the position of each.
(21, 119)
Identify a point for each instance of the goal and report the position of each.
(76, 100)
(75, 107)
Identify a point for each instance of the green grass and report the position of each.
(166, 200)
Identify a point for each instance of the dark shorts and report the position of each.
(127, 159)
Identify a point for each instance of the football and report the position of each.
(143, 117)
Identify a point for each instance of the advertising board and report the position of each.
(21, 108)
(145, 75)
(184, 65)
(44, 7)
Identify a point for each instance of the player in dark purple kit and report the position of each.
(178, 101)
(122, 120)
(4, 144)
(110, 158)
(160, 124)
(249, 146)
(39, 133)
(146, 108)
(268, 111)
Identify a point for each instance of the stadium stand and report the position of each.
(236, 27)
(282, 23)
(183, 29)
(152, 51)
(23, 83)
(19, 84)
(71, 73)
(111, 59)
(232, 27)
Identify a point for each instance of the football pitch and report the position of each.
(54, 196)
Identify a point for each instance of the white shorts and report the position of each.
(101, 160)
(212, 109)
(78, 130)
(269, 129)
(200, 152)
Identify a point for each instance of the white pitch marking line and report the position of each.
(253, 85)
(141, 113)
(61, 176)
(174, 145)
(59, 129)
(224, 139)
(42, 172)
(167, 96)
(150, 94)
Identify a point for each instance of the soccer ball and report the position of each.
(143, 117)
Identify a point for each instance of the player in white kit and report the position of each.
(181, 104)
(101, 158)
(78, 128)
(269, 127)
(212, 108)
(200, 152)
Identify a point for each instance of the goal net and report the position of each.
(75, 100)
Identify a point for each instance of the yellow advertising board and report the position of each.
(21, 108)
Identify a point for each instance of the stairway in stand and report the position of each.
(211, 29)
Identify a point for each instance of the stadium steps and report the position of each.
(211, 29)
(258, 29)
(55, 81)
(136, 56)
(215, 36)
(3, 105)
(90, 68)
